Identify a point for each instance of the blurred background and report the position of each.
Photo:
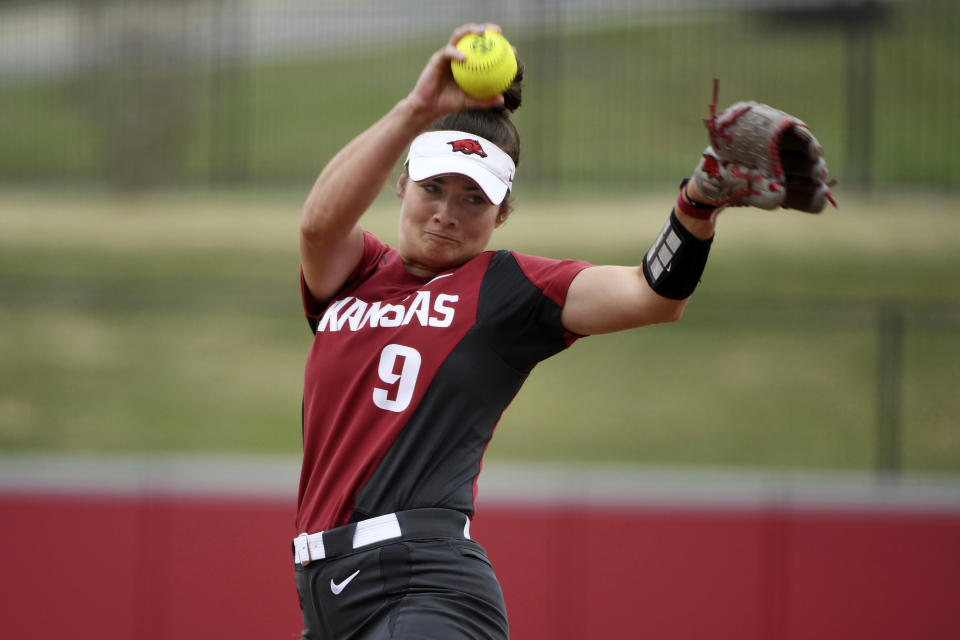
(226, 92)
(154, 157)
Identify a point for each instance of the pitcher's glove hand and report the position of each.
(762, 157)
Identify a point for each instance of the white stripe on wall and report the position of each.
(556, 484)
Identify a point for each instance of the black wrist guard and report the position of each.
(675, 262)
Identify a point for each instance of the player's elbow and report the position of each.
(312, 221)
(664, 311)
(672, 311)
(320, 226)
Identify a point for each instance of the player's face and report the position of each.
(444, 221)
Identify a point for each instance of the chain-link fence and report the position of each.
(217, 93)
(249, 91)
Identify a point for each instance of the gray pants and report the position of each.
(427, 588)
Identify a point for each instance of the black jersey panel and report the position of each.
(524, 325)
(433, 461)
(437, 455)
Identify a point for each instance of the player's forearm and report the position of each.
(353, 178)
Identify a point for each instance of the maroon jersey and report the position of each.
(407, 378)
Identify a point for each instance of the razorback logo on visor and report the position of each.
(467, 147)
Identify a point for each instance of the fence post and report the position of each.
(229, 94)
(890, 329)
(547, 116)
(860, 26)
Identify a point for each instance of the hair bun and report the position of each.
(512, 97)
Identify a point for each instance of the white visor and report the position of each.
(436, 153)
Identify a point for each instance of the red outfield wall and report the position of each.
(87, 563)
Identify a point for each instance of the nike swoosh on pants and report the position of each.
(337, 588)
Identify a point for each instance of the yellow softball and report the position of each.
(490, 66)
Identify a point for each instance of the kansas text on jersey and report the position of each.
(407, 379)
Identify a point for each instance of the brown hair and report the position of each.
(493, 124)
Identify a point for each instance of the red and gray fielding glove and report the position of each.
(762, 157)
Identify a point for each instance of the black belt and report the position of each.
(402, 525)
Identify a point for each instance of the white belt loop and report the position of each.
(308, 547)
(376, 530)
(301, 548)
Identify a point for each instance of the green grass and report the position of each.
(171, 322)
(619, 104)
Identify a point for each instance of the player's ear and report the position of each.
(502, 214)
(401, 188)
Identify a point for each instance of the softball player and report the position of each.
(419, 348)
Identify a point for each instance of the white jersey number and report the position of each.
(404, 381)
